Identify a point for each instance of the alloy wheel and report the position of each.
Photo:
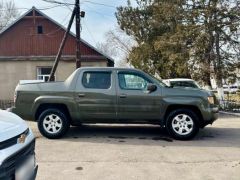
(52, 123)
(182, 124)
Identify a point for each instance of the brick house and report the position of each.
(28, 48)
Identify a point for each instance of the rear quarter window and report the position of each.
(96, 80)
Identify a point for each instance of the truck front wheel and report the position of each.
(53, 123)
(182, 124)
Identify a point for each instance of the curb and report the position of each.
(230, 113)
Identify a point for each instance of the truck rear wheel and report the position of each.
(182, 124)
(53, 123)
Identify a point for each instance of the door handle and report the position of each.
(123, 96)
(81, 95)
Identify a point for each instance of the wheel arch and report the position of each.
(193, 108)
(44, 106)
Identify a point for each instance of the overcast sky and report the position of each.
(98, 20)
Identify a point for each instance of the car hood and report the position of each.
(10, 125)
(178, 91)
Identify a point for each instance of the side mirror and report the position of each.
(151, 87)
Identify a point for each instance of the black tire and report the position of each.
(183, 130)
(59, 117)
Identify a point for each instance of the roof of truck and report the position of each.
(178, 79)
(109, 68)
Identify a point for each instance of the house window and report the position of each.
(40, 30)
(43, 73)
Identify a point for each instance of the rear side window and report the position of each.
(96, 80)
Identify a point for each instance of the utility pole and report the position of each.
(77, 14)
(51, 78)
(78, 38)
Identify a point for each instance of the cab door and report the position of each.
(135, 103)
(96, 96)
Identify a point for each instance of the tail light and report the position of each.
(15, 96)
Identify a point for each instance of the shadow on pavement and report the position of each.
(151, 135)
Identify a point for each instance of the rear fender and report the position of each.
(69, 102)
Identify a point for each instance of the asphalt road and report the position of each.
(140, 153)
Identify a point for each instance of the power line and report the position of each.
(68, 6)
(57, 2)
(101, 4)
(45, 8)
(52, 33)
(87, 1)
(60, 4)
(89, 32)
(41, 8)
(101, 14)
(51, 7)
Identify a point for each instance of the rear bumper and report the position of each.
(10, 109)
(20, 113)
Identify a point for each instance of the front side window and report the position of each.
(132, 81)
(96, 80)
(43, 73)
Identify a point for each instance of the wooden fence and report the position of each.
(231, 106)
(4, 104)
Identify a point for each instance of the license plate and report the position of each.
(26, 170)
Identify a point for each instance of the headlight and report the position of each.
(211, 99)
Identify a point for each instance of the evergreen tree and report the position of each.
(181, 37)
(156, 25)
(214, 30)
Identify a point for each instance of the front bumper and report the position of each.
(34, 173)
(210, 116)
(15, 160)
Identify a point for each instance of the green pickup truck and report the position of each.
(114, 95)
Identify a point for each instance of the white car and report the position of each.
(182, 82)
(230, 89)
(17, 149)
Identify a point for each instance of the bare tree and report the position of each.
(118, 45)
(8, 13)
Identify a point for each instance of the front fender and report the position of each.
(197, 102)
(187, 100)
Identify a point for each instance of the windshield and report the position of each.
(160, 82)
(190, 84)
